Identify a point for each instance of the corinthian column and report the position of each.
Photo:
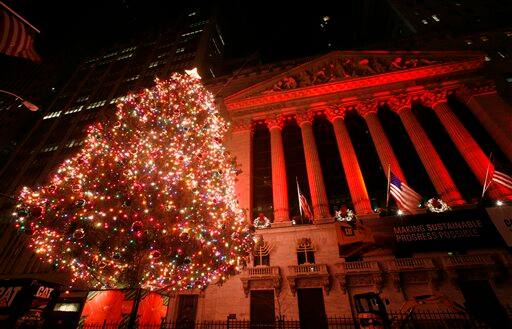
(431, 161)
(314, 169)
(353, 174)
(498, 134)
(380, 140)
(465, 143)
(279, 185)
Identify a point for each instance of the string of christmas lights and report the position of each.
(149, 200)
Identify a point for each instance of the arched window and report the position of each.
(261, 253)
(305, 252)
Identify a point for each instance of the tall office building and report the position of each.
(460, 25)
(98, 83)
(90, 95)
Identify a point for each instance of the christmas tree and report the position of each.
(149, 200)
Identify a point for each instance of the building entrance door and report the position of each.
(311, 308)
(482, 303)
(262, 308)
(187, 309)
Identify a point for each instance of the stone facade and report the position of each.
(395, 279)
(348, 259)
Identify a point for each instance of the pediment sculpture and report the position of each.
(347, 67)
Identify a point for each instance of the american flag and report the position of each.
(304, 208)
(16, 35)
(498, 175)
(406, 197)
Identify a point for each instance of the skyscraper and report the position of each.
(97, 83)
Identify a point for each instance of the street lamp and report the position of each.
(25, 103)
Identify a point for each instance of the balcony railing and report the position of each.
(358, 267)
(263, 271)
(308, 269)
(468, 260)
(410, 264)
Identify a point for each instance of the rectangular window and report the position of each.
(52, 115)
(67, 307)
(192, 33)
(50, 149)
(115, 100)
(74, 109)
(96, 104)
(82, 99)
(133, 78)
(305, 257)
(261, 260)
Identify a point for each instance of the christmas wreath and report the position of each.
(437, 205)
(344, 215)
(261, 221)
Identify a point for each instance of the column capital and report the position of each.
(368, 107)
(277, 121)
(335, 112)
(305, 117)
(434, 97)
(241, 125)
(400, 103)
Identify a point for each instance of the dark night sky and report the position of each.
(276, 29)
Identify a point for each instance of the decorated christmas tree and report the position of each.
(148, 201)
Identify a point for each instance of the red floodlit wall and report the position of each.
(111, 306)
(105, 305)
(152, 309)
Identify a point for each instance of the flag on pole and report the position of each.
(304, 208)
(496, 173)
(16, 35)
(405, 196)
(499, 175)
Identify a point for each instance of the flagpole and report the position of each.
(486, 174)
(389, 178)
(298, 196)
(17, 15)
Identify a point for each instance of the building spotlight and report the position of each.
(499, 203)
(400, 212)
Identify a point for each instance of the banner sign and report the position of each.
(502, 219)
(461, 229)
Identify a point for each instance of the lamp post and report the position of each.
(25, 103)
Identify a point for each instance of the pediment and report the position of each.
(340, 66)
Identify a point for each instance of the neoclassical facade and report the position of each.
(343, 259)
(429, 85)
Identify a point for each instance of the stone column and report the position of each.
(350, 164)
(239, 144)
(465, 143)
(432, 162)
(498, 134)
(314, 169)
(385, 152)
(279, 184)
